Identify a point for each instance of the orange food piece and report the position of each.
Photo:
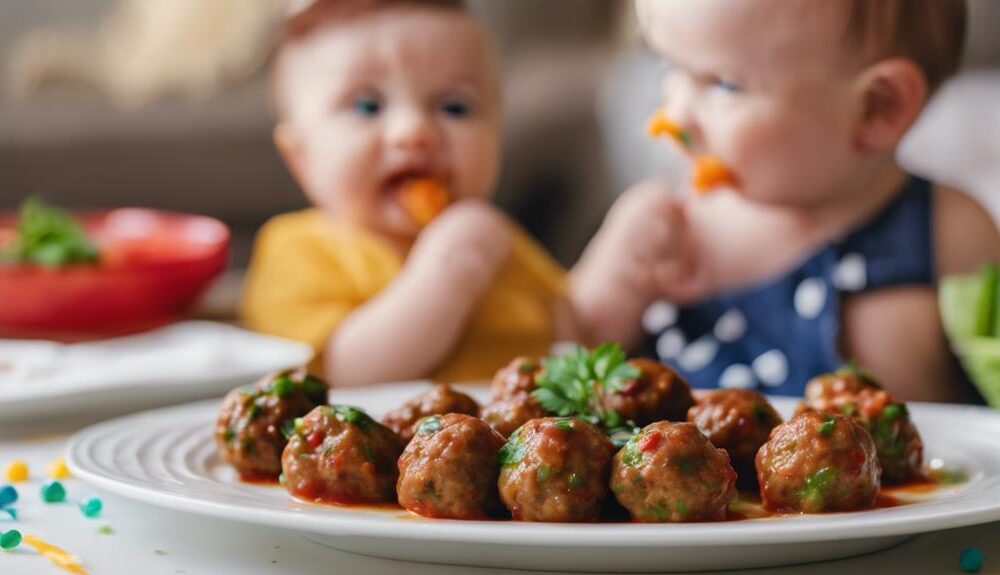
(710, 172)
(660, 125)
(424, 199)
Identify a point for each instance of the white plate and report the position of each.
(182, 362)
(168, 457)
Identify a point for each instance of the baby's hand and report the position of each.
(465, 246)
(645, 240)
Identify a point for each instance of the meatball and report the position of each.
(900, 449)
(739, 421)
(253, 422)
(507, 415)
(829, 392)
(517, 379)
(555, 469)
(670, 472)
(816, 463)
(438, 400)
(338, 454)
(449, 469)
(658, 394)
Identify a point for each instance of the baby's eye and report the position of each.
(367, 105)
(727, 86)
(456, 108)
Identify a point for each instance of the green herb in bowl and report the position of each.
(48, 236)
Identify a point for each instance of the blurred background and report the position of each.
(164, 103)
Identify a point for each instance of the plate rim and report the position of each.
(898, 521)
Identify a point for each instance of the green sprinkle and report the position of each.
(512, 452)
(53, 492)
(282, 386)
(543, 473)
(10, 539)
(575, 481)
(971, 559)
(105, 530)
(429, 425)
(91, 506)
(826, 428)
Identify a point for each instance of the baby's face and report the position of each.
(394, 95)
(766, 85)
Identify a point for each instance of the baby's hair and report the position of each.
(929, 32)
(303, 21)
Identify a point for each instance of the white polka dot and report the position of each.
(699, 354)
(659, 316)
(771, 368)
(737, 376)
(851, 273)
(731, 326)
(810, 298)
(670, 344)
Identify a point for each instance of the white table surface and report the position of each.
(155, 541)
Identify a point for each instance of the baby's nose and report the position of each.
(678, 99)
(410, 129)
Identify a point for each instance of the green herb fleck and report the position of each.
(543, 473)
(254, 411)
(816, 485)
(512, 452)
(229, 435)
(852, 369)
(366, 450)
(350, 415)
(575, 481)
(282, 386)
(682, 508)
(893, 411)
(826, 428)
(288, 427)
(160, 552)
(687, 465)
(315, 389)
(429, 425)
(631, 456)
(657, 511)
(528, 367)
(564, 424)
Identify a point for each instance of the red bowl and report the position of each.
(153, 267)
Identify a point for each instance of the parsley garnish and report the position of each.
(49, 237)
(851, 368)
(512, 452)
(351, 415)
(569, 383)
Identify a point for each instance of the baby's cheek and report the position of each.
(475, 158)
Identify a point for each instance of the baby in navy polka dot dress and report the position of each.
(825, 248)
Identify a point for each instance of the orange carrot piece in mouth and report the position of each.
(708, 172)
(424, 199)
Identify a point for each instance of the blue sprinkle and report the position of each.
(971, 559)
(91, 506)
(8, 495)
(10, 511)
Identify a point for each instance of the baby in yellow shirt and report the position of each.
(374, 98)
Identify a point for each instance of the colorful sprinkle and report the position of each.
(91, 506)
(57, 556)
(16, 471)
(105, 530)
(10, 511)
(56, 469)
(971, 559)
(10, 540)
(8, 495)
(53, 492)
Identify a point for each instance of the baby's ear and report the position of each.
(289, 144)
(891, 94)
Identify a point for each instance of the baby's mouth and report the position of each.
(421, 194)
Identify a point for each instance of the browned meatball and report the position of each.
(507, 415)
(555, 469)
(900, 449)
(449, 469)
(670, 472)
(250, 426)
(438, 400)
(739, 421)
(659, 394)
(337, 454)
(816, 463)
(516, 379)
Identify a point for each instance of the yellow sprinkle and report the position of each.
(57, 556)
(56, 469)
(16, 471)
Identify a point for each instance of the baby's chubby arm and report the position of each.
(415, 323)
(643, 251)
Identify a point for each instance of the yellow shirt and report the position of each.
(308, 272)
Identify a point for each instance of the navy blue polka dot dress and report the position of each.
(776, 336)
